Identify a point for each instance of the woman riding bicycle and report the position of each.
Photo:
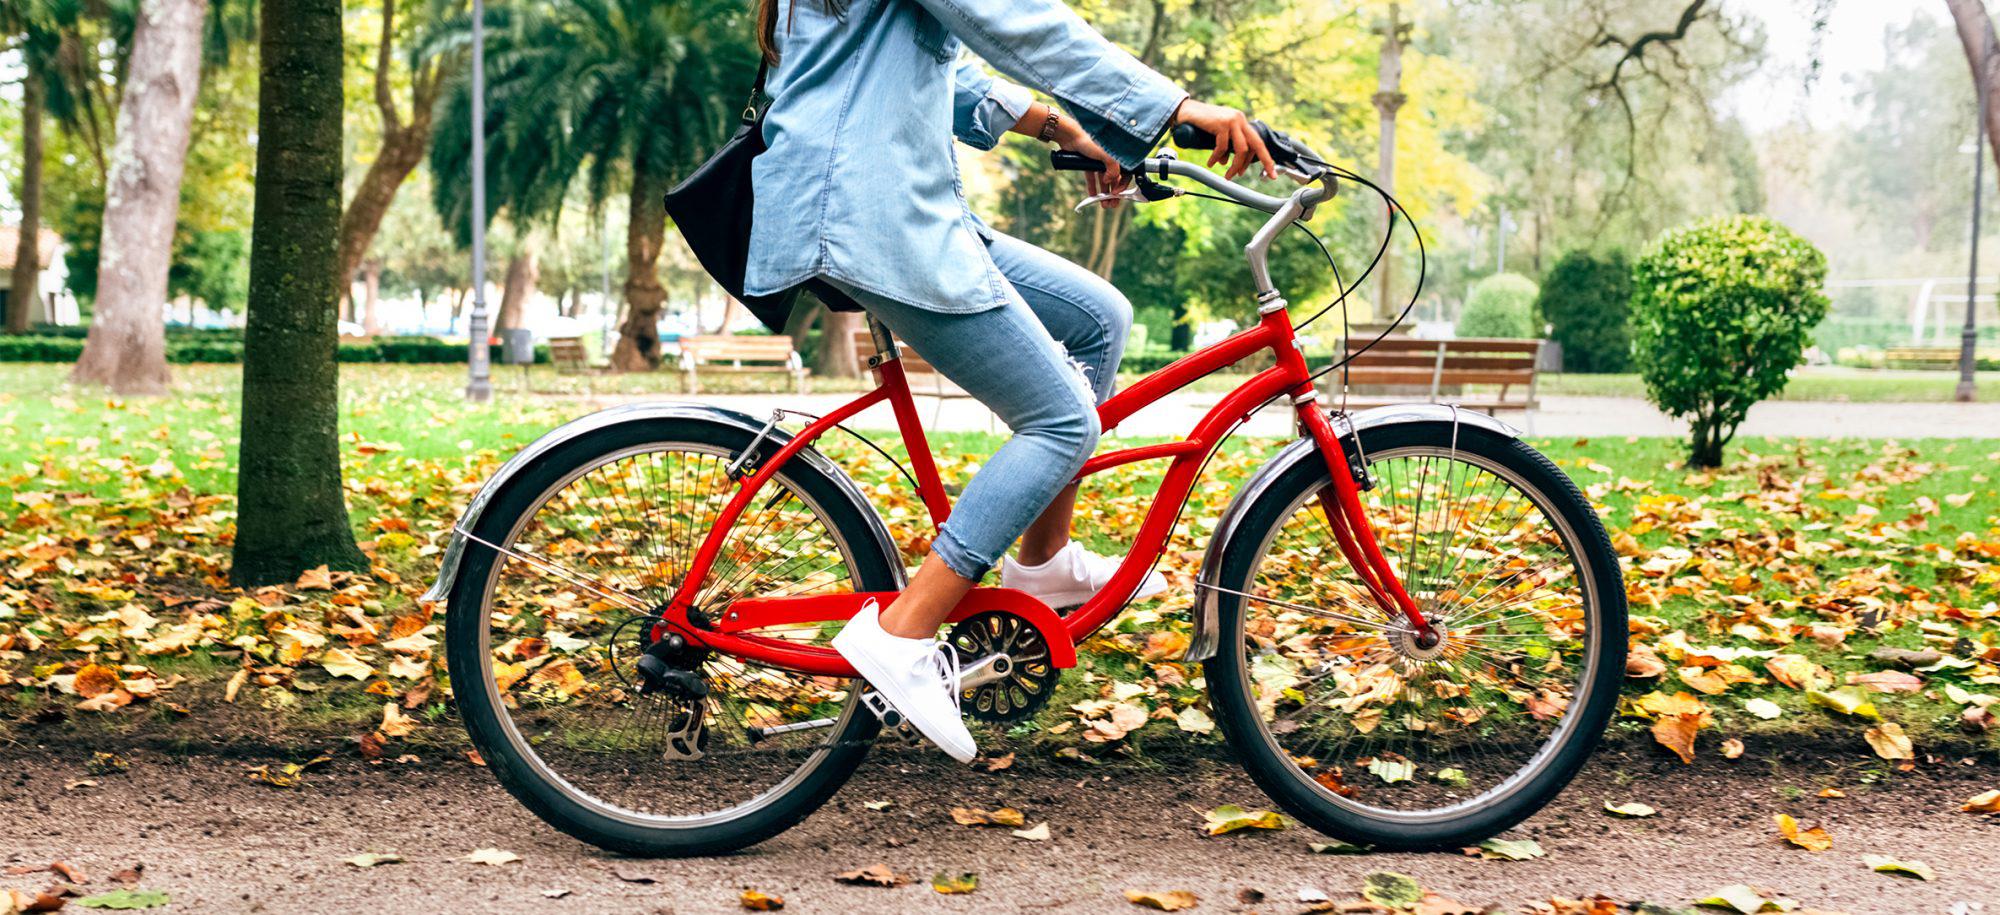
(859, 187)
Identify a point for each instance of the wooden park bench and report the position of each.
(1934, 358)
(1406, 369)
(710, 355)
(923, 377)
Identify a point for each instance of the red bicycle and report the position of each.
(1411, 623)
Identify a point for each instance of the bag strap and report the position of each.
(750, 113)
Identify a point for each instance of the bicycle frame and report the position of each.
(733, 633)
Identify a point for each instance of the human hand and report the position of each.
(1234, 137)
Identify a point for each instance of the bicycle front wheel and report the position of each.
(1337, 710)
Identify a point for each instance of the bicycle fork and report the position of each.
(1351, 528)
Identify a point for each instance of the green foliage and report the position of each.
(1721, 311)
(1502, 305)
(1585, 298)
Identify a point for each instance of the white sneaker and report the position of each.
(1071, 577)
(917, 677)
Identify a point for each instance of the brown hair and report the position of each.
(767, 24)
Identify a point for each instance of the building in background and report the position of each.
(54, 304)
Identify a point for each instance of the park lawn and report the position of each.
(1819, 383)
(117, 518)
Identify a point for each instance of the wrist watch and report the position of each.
(1048, 131)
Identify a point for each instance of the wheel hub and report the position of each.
(1425, 645)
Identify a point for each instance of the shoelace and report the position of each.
(942, 662)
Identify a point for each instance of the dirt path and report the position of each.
(219, 842)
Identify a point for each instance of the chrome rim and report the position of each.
(1372, 718)
(567, 604)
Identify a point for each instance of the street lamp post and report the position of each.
(1968, 341)
(479, 387)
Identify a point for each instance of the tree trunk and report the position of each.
(371, 298)
(127, 346)
(457, 308)
(291, 513)
(1976, 36)
(28, 252)
(638, 348)
(1389, 99)
(799, 324)
(522, 271)
(403, 146)
(835, 355)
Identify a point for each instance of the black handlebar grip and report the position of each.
(1063, 160)
(1188, 136)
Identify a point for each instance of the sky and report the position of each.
(1851, 45)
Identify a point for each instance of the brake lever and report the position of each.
(1141, 190)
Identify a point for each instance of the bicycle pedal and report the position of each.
(883, 710)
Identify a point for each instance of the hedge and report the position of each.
(205, 348)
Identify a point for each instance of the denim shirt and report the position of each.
(860, 182)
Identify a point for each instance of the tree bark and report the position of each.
(404, 144)
(127, 346)
(638, 348)
(371, 298)
(1976, 36)
(291, 513)
(22, 294)
(522, 272)
(835, 355)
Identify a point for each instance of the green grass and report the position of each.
(122, 484)
(1820, 383)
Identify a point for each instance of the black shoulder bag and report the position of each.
(713, 206)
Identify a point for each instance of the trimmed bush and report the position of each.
(1722, 310)
(1585, 298)
(1501, 305)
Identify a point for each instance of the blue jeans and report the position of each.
(1041, 361)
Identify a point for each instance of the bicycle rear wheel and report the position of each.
(1352, 725)
(698, 753)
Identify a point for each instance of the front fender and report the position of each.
(454, 552)
(1207, 610)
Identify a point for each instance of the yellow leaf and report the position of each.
(1814, 839)
(1677, 734)
(1164, 901)
(342, 663)
(973, 816)
(955, 884)
(1890, 742)
(395, 723)
(1230, 818)
(492, 857)
(760, 902)
(1983, 802)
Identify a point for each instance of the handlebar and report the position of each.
(1290, 155)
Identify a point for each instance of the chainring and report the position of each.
(1027, 685)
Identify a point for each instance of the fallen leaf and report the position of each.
(1888, 681)
(1229, 818)
(1763, 708)
(760, 902)
(1397, 891)
(1983, 802)
(1037, 833)
(1164, 901)
(1337, 847)
(342, 663)
(394, 722)
(1739, 898)
(1194, 721)
(993, 763)
(1629, 809)
(872, 875)
(320, 579)
(1732, 748)
(373, 859)
(878, 805)
(973, 816)
(492, 857)
(1510, 849)
(954, 884)
(69, 872)
(1890, 742)
(1888, 865)
(94, 680)
(1677, 733)
(126, 899)
(1847, 700)
(1814, 839)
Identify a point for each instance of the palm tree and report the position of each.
(626, 94)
